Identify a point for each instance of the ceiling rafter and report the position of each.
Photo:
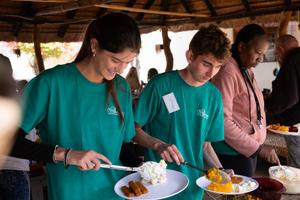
(246, 5)
(148, 5)
(164, 6)
(248, 8)
(288, 2)
(26, 11)
(186, 6)
(210, 7)
(101, 12)
(63, 28)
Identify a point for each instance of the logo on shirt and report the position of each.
(202, 113)
(112, 111)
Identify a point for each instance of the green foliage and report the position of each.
(48, 49)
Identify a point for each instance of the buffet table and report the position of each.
(277, 141)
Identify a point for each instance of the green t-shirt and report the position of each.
(199, 119)
(71, 111)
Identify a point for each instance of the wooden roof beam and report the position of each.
(186, 6)
(210, 8)
(147, 6)
(69, 7)
(101, 12)
(130, 3)
(164, 5)
(288, 2)
(246, 5)
(269, 11)
(63, 28)
(26, 11)
(156, 12)
(248, 8)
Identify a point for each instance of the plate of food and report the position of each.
(133, 186)
(238, 185)
(151, 181)
(285, 130)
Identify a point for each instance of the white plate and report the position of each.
(176, 183)
(283, 132)
(203, 182)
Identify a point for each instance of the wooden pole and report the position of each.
(157, 12)
(168, 53)
(37, 48)
(282, 29)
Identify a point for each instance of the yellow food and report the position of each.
(213, 174)
(279, 128)
(219, 187)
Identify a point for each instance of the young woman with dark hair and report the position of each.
(83, 112)
(244, 116)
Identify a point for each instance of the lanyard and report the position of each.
(258, 111)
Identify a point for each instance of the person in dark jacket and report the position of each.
(283, 104)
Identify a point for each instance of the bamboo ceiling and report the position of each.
(66, 20)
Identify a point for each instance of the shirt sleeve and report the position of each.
(235, 136)
(128, 119)
(35, 102)
(216, 130)
(285, 88)
(147, 105)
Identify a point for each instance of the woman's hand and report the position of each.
(269, 154)
(84, 160)
(169, 152)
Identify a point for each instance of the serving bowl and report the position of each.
(290, 178)
(269, 189)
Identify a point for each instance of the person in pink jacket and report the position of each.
(244, 115)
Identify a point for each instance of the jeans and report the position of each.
(14, 185)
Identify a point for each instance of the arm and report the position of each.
(235, 136)
(210, 156)
(168, 152)
(85, 160)
(269, 154)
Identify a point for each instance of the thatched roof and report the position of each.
(66, 20)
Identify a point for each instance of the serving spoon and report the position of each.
(225, 177)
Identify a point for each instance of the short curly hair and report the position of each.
(210, 39)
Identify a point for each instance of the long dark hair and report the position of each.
(115, 32)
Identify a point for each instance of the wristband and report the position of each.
(66, 158)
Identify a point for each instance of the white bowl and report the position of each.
(289, 177)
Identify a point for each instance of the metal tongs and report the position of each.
(119, 167)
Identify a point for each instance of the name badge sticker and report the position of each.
(171, 103)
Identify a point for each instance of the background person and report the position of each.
(283, 104)
(244, 116)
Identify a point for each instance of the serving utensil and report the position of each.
(119, 167)
(225, 177)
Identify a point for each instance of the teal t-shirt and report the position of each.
(200, 118)
(70, 111)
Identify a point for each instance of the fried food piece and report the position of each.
(236, 179)
(127, 191)
(142, 187)
(135, 188)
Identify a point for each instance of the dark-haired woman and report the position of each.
(245, 122)
(83, 111)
